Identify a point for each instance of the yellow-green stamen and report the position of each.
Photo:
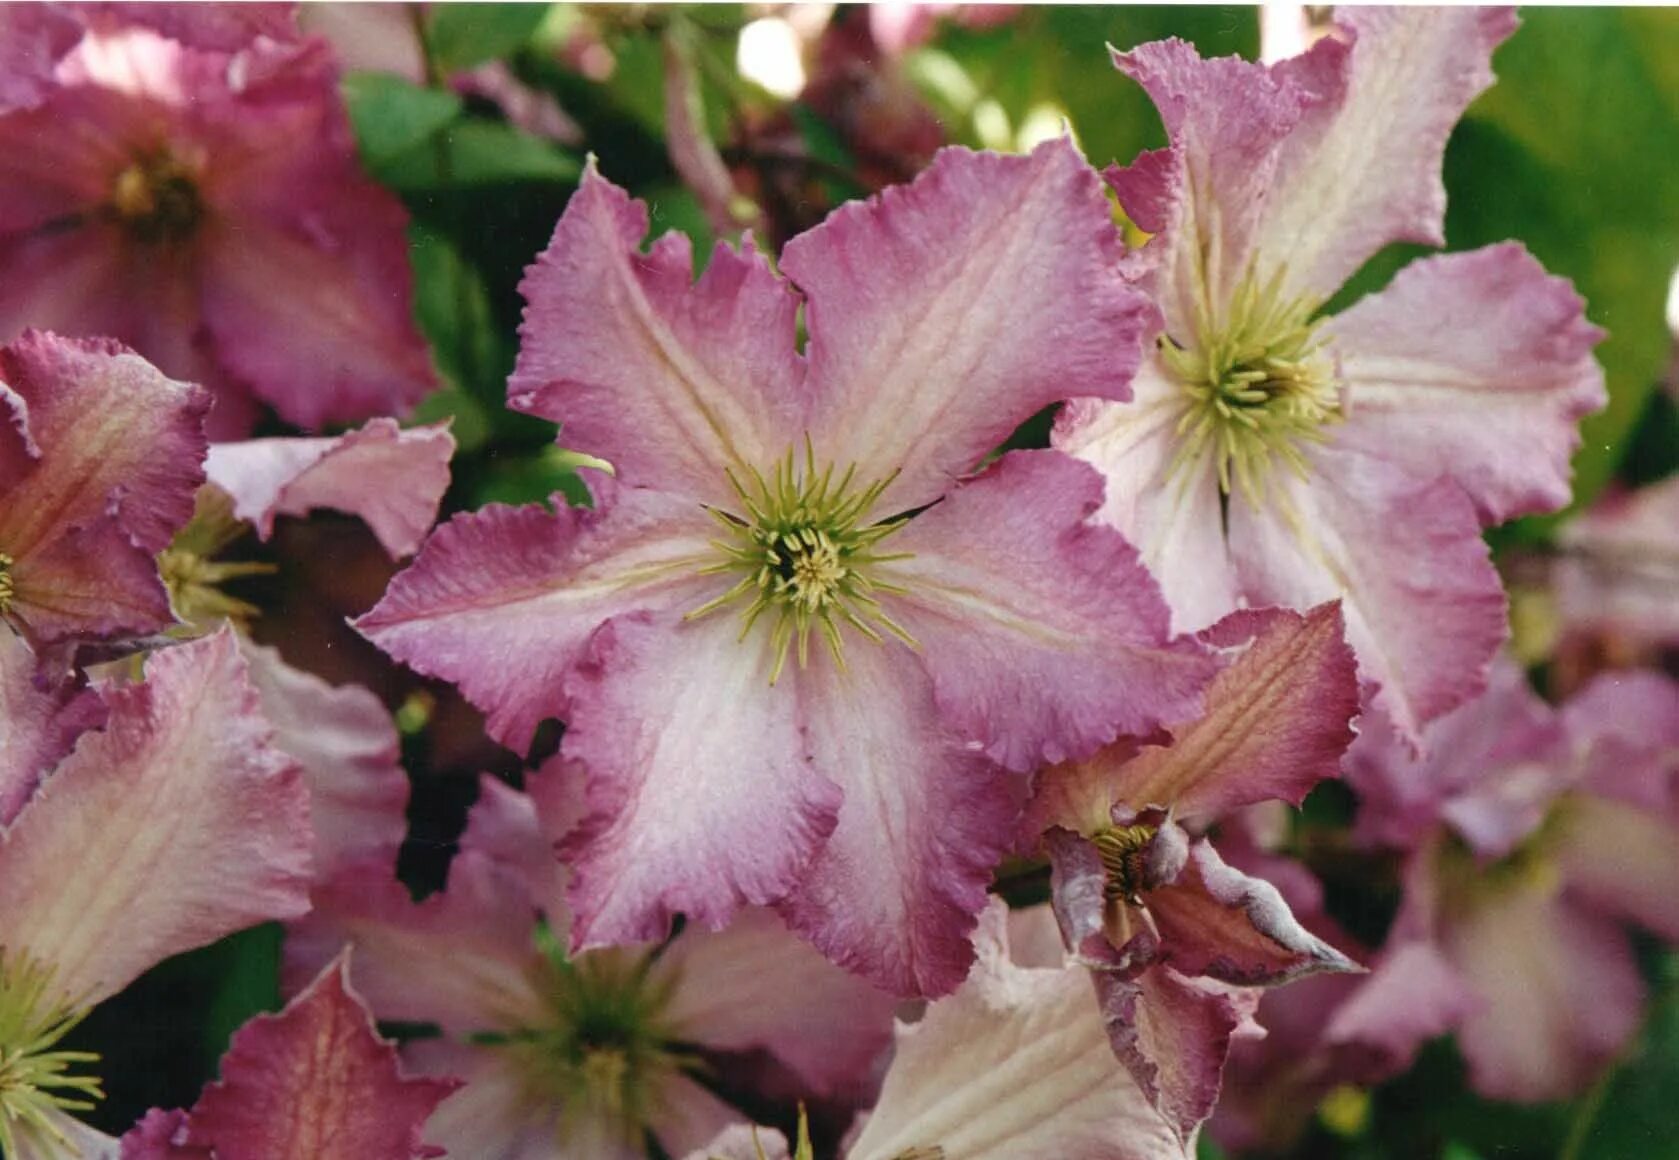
(803, 547)
(1258, 383)
(34, 1078)
(156, 199)
(6, 589)
(1121, 850)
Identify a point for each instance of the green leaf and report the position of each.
(474, 152)
(453, 306)
(462, 35)
(391, 115)
(249, 984)
(1633, 1112)
(533, 478)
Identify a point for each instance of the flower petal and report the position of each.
(701, 795)
(1477, 366)
(393, 479)
(745, 1142)
(1043, 634)
(754, 984)
(671, 381)
(893, 893)
(502, 600)
(1277, 721)
(1362, 169)
(89, 583)
(1412, 995)
(683, 1115)
(946, 312)
(40, 720)
(1425, 610)
(314, 1081)
(496, 1116)
(1014, 1064)
(1620, 860)
(178, 824)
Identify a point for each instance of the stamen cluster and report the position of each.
(157, 200)
(33, 1077)
(6, 588)
(1121, 850)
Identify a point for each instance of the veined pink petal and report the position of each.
(1044, 635)
(347, 745)
(925, 820)
(1277, 722)
(460, 958)
(1477, 366)
(945, 312)
(755, 984)
(179, 823)
(1424, 607)
(1014, 1064)
(702, 797)
(89, 582)
(393, 479)
(673, 382)
(495, 1116)
(502, 600)
(1620, 860)
(1170, 511)
(1561, 991)
(1215, 920)
(315, 1082)
(40, 720)
(1362, 169)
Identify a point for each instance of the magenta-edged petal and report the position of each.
(347, 745)
(460, 958)
(115, 437)
(1172, 1034)
(1477, 366)
(1363, 167)
(88, 583)
(502, 600)
(1425, 609)
(1044, 635)
(893, 893)
(1620, 860)
(40, 720)
(673, 382)
(1560, 987)
(744, 1142)
(1079, 898)
(1014, 1064)
(756, 985)
(1277, 722)
(1412, 995)
(160, 1135)
(315, 1081)
(701, 794)
(1215, 920)
(945, 312)
(1169, 510)
(393, 479)
(181, 822)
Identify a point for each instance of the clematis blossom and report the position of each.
(99, 457)
(1170, 931)
(314, 1082)
(174, 825)
(585, 1056)
(202, 202)
(1538, 838)
(1276, 455)
(804, 661)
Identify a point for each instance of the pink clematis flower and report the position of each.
(802, 664)
(1277, 456)
(176, 824)
(1538, 835)
(205, 206)
(314, 1082)
(1167, 926)
(99, 458)
(583, 1057)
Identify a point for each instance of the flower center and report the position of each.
(6, 589)
(34, 1079)
(1257, 387)
(1121, 849)
(803, 548)
(192, 574)
(156, 199)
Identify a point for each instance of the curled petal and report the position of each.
(945, 312)
(40, 720)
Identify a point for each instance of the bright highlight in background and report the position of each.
(769, 55)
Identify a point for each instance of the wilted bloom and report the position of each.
(314, 1082)
(1149, 907)
(586, 1056)
(802, 664)
(1539, 835)
(205, 206)
(1277, 456)
(176, 824)
(99, 458)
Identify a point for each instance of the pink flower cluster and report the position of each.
(830, 667)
